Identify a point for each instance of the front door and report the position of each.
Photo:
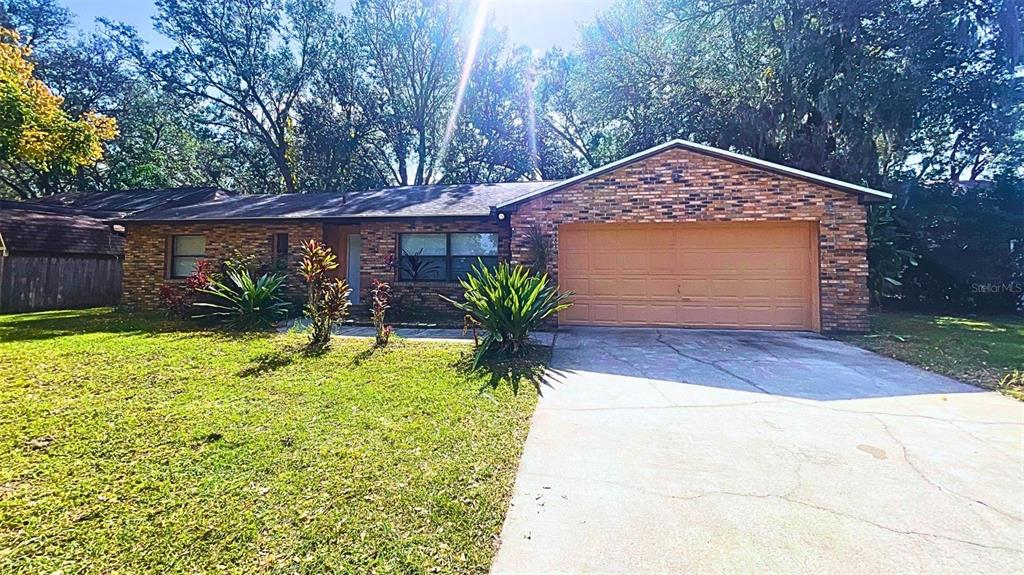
(355, 245)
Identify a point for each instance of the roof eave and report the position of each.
(876, 195)
(286, 219)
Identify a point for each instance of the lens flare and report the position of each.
(531, 119)
(479, 22)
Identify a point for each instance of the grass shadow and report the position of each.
(268, 362)
(364, 355)
(38, 326)
(528, 367)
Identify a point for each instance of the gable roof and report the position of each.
(709, 151)
(460, 200)
(463, 200)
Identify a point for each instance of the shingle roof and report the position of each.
(442, 200)
(26, 228)
(131, 201)
(76, 223)
(402, 202)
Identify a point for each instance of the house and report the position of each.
(58, 252)
(678, 235)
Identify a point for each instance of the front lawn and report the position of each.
(133, 445)
(981, 351)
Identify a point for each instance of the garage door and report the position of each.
(734, 275)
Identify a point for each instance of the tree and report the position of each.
(337, 129)
(972, 106)
(411, 49)
(491, 140)
(40, 23)
(245, 64)
(565, 114)
(38, 139)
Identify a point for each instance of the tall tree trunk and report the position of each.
(421, 151)
(287, 175)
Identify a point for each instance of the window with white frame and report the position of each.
(444, 256)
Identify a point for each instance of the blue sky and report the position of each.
(539, 24)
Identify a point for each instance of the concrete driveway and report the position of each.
(669, 451)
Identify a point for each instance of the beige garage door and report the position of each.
(735, 275)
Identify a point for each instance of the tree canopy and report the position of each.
(37, 136)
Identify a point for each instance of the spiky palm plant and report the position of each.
(509, 302)
(242, 302)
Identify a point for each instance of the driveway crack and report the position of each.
(783, 497)
(660, 338)
(917, 470)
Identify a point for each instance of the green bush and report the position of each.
(241, 302)
(509, 302)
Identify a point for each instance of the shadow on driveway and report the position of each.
(792, 364)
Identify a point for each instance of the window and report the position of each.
(444, 257)
(185, 252)
(281, 247)
(468, 248)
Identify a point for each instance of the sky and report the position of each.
(539, 24)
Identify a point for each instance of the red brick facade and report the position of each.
(147, 257)
(682, 186)
(417, 299)
(675, 185)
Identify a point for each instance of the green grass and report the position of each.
(981, 351)
(134, 445)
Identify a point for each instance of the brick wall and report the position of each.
(145, 264)
(146, 253)
(417, 299)
(674, 186)
(683, 186)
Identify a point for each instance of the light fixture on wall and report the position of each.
(501, 216)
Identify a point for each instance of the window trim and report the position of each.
(448, 257)
(172, 255)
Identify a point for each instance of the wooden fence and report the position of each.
(41, 282)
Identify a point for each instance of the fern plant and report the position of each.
(508, 302)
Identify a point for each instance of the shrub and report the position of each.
(381, 303)
(327, 301)
(969, 241)
(539, 246)
(172, 300)
(888, 260)
(240, 302)
(200, 277)
(1013, 380)
(179, 300)
(254, 265)
(508, 302)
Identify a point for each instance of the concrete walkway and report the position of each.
(672, 451)
(433, 333)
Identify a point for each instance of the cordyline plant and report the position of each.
(381, 303)
(508, 302)
(179, 299)
(327, 301)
